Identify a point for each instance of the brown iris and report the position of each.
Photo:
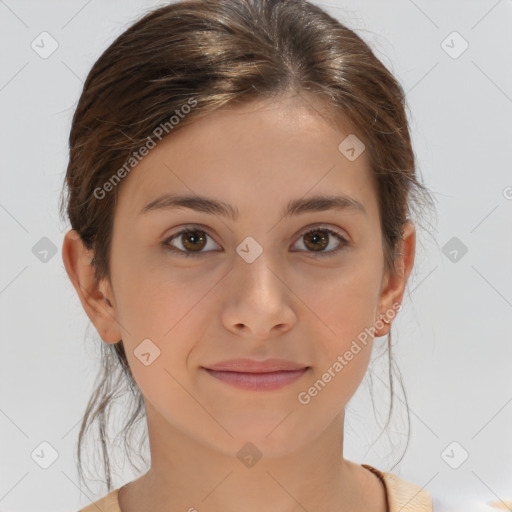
(194, 238)
(316, 237)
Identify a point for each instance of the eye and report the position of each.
(193, 240)
(318, 239)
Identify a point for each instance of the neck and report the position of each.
(187, 475)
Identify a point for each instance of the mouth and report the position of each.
(257, 375)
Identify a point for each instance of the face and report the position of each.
(260, 284)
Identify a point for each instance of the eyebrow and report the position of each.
(215, 207)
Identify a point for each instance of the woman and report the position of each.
(239, 188)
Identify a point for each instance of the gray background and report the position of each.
(452, 341)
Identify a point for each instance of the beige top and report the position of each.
(402, 496)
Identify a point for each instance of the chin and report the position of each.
(267, 433)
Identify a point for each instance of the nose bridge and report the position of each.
(253, 265)
(258, 278)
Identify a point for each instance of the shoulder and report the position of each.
(108, 503)
(403, 495)
(406, 496)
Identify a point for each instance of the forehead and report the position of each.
(254, 155)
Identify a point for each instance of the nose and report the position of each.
(258, 301)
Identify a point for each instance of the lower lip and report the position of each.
(258, 381)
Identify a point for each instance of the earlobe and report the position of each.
(78, 261)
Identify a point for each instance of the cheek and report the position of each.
(158, 343)
(345, 302)
(344, 307)
(344, 344)
(151, 296)
(150, 316)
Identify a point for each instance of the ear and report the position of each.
(393, 286)
(96, 297)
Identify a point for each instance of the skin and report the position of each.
(286, 304)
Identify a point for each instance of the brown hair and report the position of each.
(216, 52)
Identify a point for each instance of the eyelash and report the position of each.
(193, 229)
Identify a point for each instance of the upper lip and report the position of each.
(252, 366)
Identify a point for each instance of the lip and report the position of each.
(253, 366)
(257, 375)
(258, 381)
